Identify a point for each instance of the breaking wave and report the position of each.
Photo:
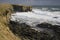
(37, 16)
(43, 21)
(49, 8)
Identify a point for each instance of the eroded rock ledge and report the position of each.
(50, 33)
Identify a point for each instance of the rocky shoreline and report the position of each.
(43, 31)
(50, 32)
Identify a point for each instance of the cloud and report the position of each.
(32, 2)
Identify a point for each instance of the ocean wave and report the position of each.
(36, 16)
(49, 9)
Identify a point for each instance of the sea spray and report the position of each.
(45, 24)
(36, 17)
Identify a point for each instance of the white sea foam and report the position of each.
(37, 16)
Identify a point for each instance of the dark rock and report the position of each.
(55, 17)
(20, 8)
(27, 32)
(49, 26)
(44, 25)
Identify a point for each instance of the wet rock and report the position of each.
(27, 33)
(44, 25)
(55, 30)
(49, 26)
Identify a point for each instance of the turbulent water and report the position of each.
(37, 16)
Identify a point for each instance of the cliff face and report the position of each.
(21, 8)
(5, 32)
(5, 11)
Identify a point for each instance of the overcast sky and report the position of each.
(32, 2)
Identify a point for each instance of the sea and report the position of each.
(48, 8)
(38, 15)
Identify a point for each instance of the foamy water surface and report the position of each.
(37, 16)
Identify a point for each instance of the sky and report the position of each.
(32, 2)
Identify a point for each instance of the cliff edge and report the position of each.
(5, 32)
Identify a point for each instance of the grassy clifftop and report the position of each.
(5, 32)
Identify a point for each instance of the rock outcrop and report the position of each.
(5, 11)
(21, 8)
(24, 30)
(5, 32)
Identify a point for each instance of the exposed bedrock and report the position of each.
(21, 8)
(51, 32)
(49, 26)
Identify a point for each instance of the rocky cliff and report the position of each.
(5, 12)
(5, 32)
(10, 30)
